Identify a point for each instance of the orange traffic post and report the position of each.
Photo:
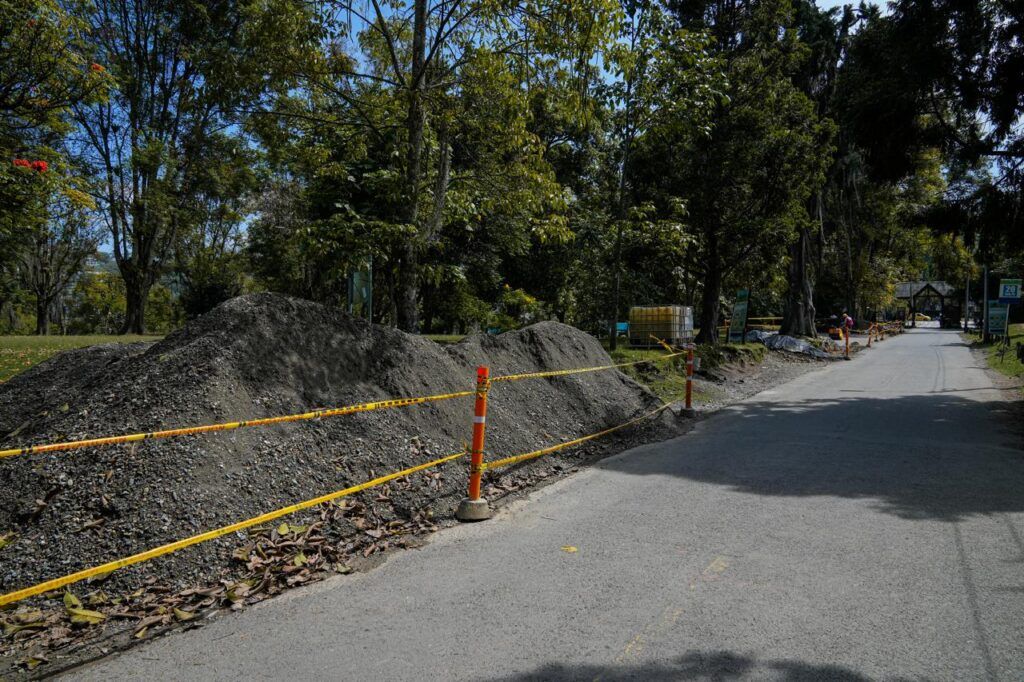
(473, 507)
(689, 378)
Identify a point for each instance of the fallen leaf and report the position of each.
(283, 529)
(6, 539)
(12, 628)
(300, 559)
(33, 661)
(183, 615)
(94, 523)
(98, 598)
(242, 553)
(569, 549)
(27, 616)
(85, 616)
(71, 601)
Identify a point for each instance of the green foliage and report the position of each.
(503, 162)
(97, 306)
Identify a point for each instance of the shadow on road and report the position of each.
(935, 456)
(697, 665)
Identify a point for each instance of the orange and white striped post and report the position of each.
(473, 507)
(689, 377)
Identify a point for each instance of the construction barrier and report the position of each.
(476, 452)
(516, 459)
(582, 370)
(102, 569)
(228, 426)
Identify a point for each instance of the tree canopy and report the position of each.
(488, 163)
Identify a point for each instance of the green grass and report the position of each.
(1008, 364)
(668, 379)
(18, 353)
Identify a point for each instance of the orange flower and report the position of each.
(96, 68)
(40, 166)
(22, 163)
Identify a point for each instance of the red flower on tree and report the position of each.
(96, 68)
(40, 166)
(22, 163)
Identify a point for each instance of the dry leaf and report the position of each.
(85, 616)
(33, 661)
(183, 615)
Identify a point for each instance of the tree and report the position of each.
(56, 249)
(183, 70)
(418, 65)
(747, 182)
(664, 77)
(44, 72)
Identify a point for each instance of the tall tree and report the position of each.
(663, 76)
(183, 70)
(747, 182)
(420, 55)
(57, 247)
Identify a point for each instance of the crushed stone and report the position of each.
(257, 356)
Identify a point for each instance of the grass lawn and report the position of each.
(18, 353)
(667, 379)
(1008, 364)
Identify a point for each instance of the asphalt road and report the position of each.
(861, 522)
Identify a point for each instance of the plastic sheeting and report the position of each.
(794, 345)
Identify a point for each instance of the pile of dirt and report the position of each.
(258, 356)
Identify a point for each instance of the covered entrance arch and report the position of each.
(924, 296)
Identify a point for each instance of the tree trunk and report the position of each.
(798, 317)
(408, 265)
(711, 294)
(42, 316)
(136, 293)
(444, 167)
(406, 308)
(613, 324)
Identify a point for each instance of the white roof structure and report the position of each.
(908, 290)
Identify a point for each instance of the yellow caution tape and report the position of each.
(192, 430)
(581, 370)
(57, 583)
(567, 444)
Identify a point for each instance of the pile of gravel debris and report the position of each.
(257, 356)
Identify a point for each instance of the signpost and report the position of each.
(997, 317)
(1010, 290)
(1009, 293)
(738, 324)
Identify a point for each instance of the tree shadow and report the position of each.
(713, 666)
(931, 456)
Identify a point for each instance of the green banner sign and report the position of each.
(738, 324)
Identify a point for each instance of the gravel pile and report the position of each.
(257, 356)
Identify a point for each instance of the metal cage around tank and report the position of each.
(671, 323)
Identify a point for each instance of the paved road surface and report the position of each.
(862, 522)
